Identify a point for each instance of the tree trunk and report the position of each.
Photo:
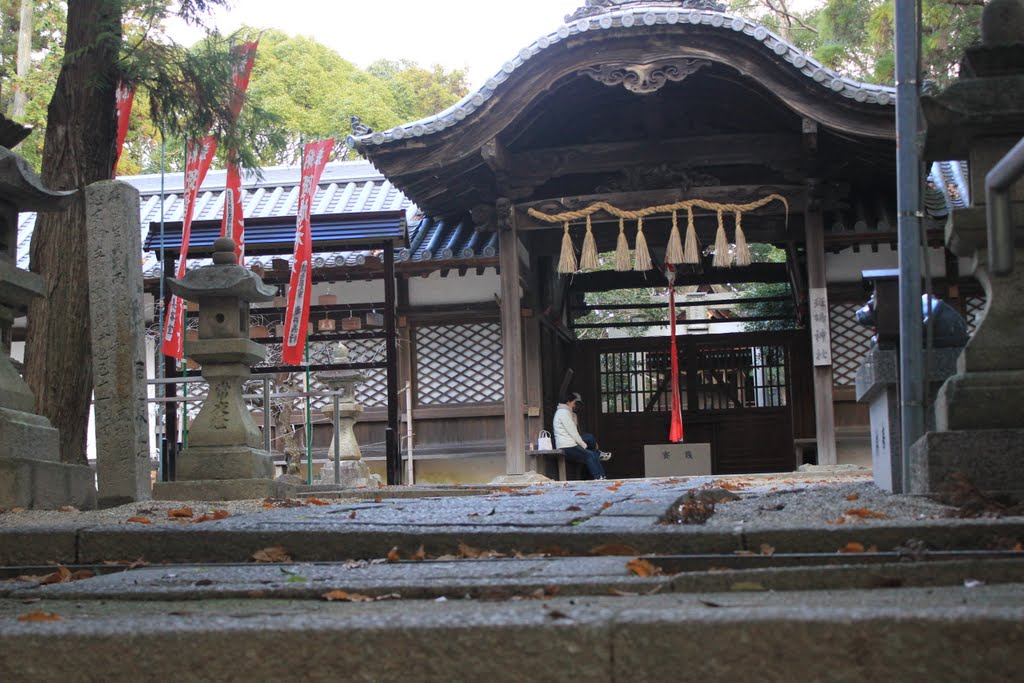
(78, 150)
(24, 58)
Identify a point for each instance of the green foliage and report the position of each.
(766, 253)
(645, 295)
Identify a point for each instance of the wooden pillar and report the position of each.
(824, 411)
(511, 341)
(534, 369)
(405, 378)
(392, 456)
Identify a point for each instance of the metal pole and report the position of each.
(1000, 220)
(908, 169)
(410, 469)
(266, 413)
(337, 441)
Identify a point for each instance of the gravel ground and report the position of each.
(799, 499)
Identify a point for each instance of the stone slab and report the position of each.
(222, 489)
(981, 400)
(118, 342)
(37, 546)
(42, 485)
(25, 435)
(211, 463)
(992, 459)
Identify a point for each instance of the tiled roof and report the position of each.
(639, 17)
(947, 187)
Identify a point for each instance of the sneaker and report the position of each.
(605, 455)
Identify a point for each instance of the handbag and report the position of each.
(544, 441)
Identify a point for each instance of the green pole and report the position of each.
(309, 424)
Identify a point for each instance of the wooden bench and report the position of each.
(536, 458)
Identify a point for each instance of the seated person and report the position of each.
(577, 447)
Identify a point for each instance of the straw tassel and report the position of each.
(692, 252)
(722, 258)
(622, 260)
(643, 254)
(588, 259)
(742, 250)
(567, 260)
(674, 250)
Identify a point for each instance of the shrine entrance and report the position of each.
(749, 395)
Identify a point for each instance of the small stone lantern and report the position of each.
(224, 459)
(353, 472)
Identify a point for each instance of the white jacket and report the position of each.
(566, 432)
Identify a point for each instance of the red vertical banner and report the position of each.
(197, 163)
(675, 431)
(314, 158)
(233, 222)
(125, 95)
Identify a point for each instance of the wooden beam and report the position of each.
(607, 280)
(824, 411)
(512, 348)
(698, 152)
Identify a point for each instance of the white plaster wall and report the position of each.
(846, 266)
(454, 289)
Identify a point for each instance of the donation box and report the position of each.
(674, 459)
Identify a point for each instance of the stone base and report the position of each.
(25, 435)
(222, 489)
(981, 400)
(42, 485)
(993, 460)
(197, 463)
(352, 474)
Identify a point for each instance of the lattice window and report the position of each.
(459, 364)
(738, 377)
(974, 306)
(636, 381)
(850, 342)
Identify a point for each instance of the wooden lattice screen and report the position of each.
(458, 364)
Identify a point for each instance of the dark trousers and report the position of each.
(589, 456)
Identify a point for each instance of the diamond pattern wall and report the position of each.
(850, 341)
(459, 364)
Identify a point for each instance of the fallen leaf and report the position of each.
(82, 574)
(212, 516)
(621, 593)
(852, 547)
(140, 520)
(345, 596)
(645, 500)
(128, 564)
(853, 496)
(605, 505)
(419, 555)
(611, 549)
(730, 486)
(557, 614)
(581, 493)
(282, 503)
(62, 575)
(865, 513)
(473, 514)
(40, 616)
(767, 550)
(573, 508)
(352, 515)
(554, 551)
(67, 508)
(393, 555)
(316, 501)
(642, 567)
(180, 513)
(841, 520)
(378, 499)
(612, 488)
(272, 554)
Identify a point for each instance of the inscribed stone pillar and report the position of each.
(118, 344)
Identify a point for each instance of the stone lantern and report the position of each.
(979, 412)
(224, 459)
(353, 472)
(31, 473)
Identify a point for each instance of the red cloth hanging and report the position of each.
(675, 432)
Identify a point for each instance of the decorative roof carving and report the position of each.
(595, 7)
(669, 175)
(637, 16)
(644, 78)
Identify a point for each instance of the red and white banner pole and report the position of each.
(233, 223)
(300, 285)
(197, 163)
(125, 95)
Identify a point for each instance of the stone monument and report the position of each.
(31, 473)
(979, 416)
(118, 343)
(224, 459)
(352, 471)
